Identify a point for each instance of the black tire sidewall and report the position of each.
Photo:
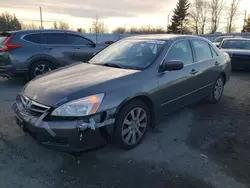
(36, 64)
(211, 97)
(120, 119)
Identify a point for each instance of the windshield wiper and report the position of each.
(112, 65)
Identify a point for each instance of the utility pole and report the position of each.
(244, 23)
(96, 28)
(245, 18)
(41, 17)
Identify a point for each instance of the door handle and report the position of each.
(48, 48)
(216, 63)
(77, 48)
(193, 71)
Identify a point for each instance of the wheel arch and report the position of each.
(224, 77)
(47, 58)
(144, 97)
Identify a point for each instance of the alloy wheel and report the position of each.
(41, 69)
(218, 88)
(134, 126)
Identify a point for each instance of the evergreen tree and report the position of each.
(179, 19)
(246, 27)
(15, 24)
(9, 22)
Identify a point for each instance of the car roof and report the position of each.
(39, 30)
(240, 39)
(228, 36)
(164, 37)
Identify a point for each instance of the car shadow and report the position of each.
(221, 132)
(12, 81)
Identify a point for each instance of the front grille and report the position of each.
(33, 107)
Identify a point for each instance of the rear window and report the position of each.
(55, 38)
(236, 44)
(202, 50)
(35, 38)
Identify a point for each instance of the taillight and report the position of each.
(8, 46)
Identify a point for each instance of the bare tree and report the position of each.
(81, 30)
(119, 30)
(29, 26)
(194, 16)
(63, 26)
(232, 15)
(55, 25)
(216, 9)
(204, 15)
(198, 16)
(98, 27)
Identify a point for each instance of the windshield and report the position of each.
(236, 44)
(131, 54)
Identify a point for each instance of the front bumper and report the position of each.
(61, 135)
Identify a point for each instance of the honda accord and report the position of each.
(121, 91)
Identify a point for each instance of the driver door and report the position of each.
(177, 88)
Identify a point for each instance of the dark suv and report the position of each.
(34, 52)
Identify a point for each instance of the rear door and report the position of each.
(208, 63)
(84, 48)
(57, 45)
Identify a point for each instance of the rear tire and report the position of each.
(39, 68)
(217, 90)
(131, 125)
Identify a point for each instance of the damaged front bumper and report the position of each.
(64, 135)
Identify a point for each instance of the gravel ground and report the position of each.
(201, 145)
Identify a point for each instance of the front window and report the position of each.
(130, 54)
(181, 51)
(78, 40)
(236, 44)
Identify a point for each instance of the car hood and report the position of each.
(73, 82)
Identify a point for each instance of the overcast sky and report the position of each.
(80, 13)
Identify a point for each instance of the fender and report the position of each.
(125, 101)
(46, 57)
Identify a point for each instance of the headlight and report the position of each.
(80, 107)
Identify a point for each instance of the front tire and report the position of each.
(131, 125)
(217, 90)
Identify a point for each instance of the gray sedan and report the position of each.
(121, 91)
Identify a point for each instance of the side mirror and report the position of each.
(171, 65)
